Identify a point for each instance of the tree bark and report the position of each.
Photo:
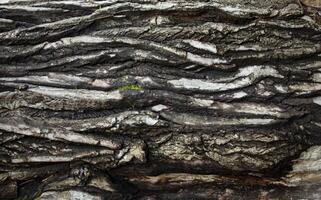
(151, 99)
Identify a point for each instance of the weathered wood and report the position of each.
(151, 99)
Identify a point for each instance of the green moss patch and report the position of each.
(130, 87)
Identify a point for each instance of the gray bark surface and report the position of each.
(151, 99)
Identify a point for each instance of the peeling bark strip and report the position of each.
(151, 99)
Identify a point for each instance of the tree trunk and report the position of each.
(151, 99)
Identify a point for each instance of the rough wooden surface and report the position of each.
(149, 99)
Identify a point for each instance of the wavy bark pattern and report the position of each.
(150, 99)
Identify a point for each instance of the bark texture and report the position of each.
(151, 99)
